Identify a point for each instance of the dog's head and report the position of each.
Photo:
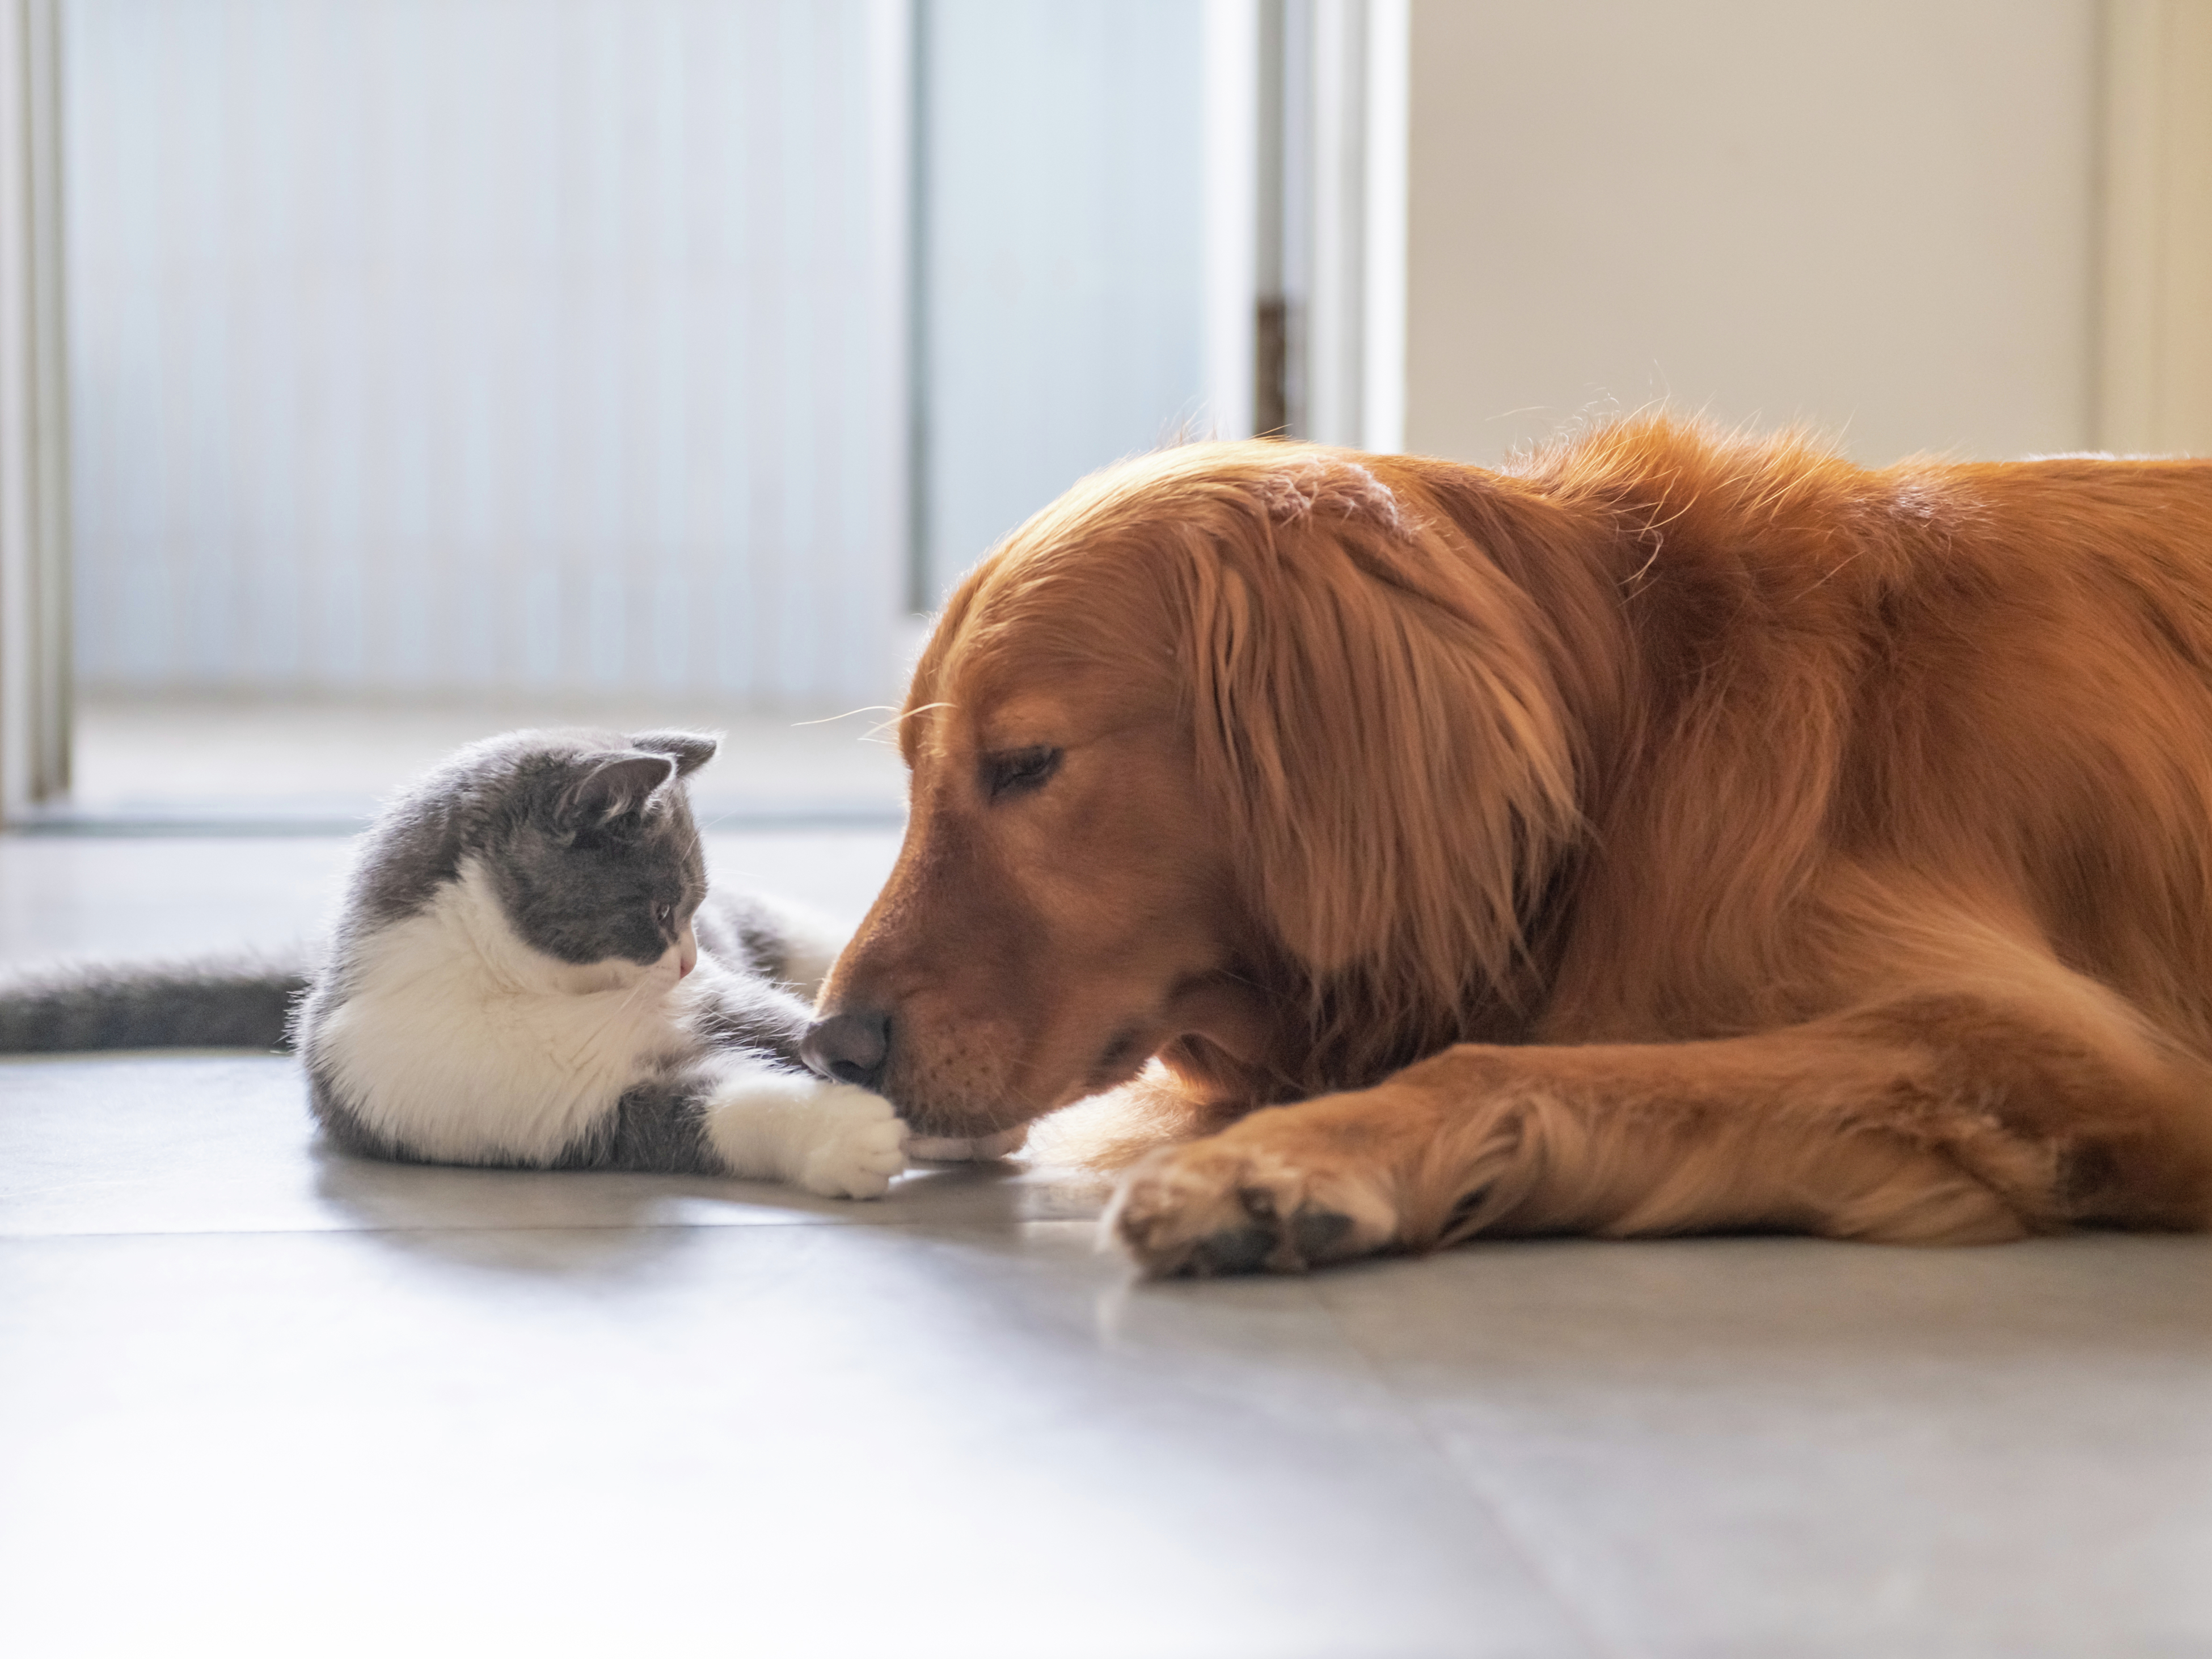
(1226, 755)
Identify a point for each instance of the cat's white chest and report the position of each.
(463, 1043)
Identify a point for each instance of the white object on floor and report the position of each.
(932, 1149)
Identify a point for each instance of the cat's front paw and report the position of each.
(856, 1144)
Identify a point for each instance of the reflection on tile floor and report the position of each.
(257, 1398)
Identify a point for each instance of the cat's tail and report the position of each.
(208, 1002)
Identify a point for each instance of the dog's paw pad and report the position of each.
(1267, 1241)
(1317, 1233)
(1199, 1212)
(1236, 1250)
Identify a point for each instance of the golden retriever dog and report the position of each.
(1672, 832)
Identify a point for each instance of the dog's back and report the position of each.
(1929, 689)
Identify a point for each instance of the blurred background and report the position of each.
(378, 374)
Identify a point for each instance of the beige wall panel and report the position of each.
(1878, 218)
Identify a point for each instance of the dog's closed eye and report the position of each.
(1018, 771)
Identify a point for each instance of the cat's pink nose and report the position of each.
(687, 952)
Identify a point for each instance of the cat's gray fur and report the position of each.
(211, 1002)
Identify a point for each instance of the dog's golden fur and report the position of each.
(1675, 832)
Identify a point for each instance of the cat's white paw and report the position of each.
(855, 1144)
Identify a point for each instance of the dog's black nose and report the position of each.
(852, 1048)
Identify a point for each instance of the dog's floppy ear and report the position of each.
(610, 785)
(1377, 728)
(689, 750)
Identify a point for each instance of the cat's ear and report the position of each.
(689, 750)
(609, 784)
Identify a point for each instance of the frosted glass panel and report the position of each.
(1063, 275)
(425, 345)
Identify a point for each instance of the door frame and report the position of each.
(35, 670)
(2154, 372)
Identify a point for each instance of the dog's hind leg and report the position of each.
(1945, 1116)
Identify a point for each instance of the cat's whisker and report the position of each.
(907, 714)
(864, 709)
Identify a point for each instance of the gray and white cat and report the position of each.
(529, 972)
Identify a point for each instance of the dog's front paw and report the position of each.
(856, 1145)
(1248, 1201)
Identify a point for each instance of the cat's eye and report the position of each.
(1019, 771)
(664, 915)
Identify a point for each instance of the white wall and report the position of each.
(431, 345)
(1876, 216)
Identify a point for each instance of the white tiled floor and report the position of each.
(257, 1398)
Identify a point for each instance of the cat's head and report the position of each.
(588, 841)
